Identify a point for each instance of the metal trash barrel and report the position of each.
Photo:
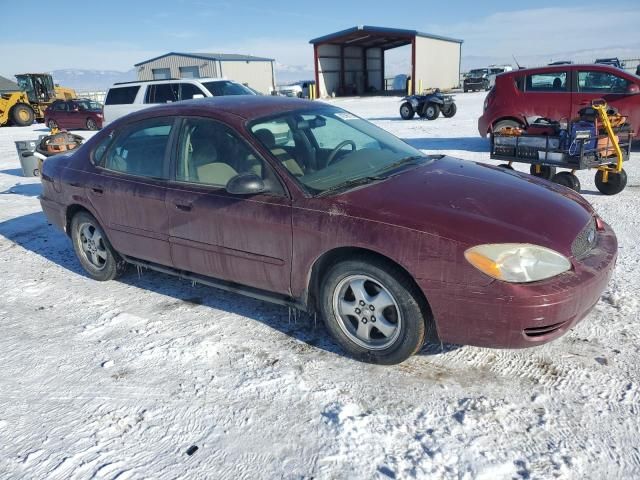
(30, 163)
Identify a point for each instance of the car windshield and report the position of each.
(477, 73)
(327, 149)
(224, 87)
(89, 105)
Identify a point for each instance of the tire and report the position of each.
(616, 182)
(451, 112)
(431, 111)
(406, 111)
(394, 304)
(466, 90)
(22, 115)
(567, 179)
(546, 171)
(505, 165)
(51, 124)
(505, 123)
(96, 255)
(91, 124)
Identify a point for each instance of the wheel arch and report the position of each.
(338, 254)
(512, 118)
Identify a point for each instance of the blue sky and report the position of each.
(116, 34)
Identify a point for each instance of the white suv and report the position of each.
(126, 97)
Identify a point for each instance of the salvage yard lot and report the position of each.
(121, 379)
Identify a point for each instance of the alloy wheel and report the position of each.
(93, 246)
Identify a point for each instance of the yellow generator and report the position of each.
(37, 93)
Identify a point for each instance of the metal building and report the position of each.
(256, 72)
(351, 62)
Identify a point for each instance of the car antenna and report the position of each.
(514, 59)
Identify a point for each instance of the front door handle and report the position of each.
(97, 189)
(183, 207)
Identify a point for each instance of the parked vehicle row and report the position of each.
(338, 216)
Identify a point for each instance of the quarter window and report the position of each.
(547, 82)
(140, 150)
(121, 95)
(601, 82)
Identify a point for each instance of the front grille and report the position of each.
(544, 330)
(585, 240)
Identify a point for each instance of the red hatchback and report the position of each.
(558, 92)
(74, 114)
(307, 205)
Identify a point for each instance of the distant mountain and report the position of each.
(90, 80)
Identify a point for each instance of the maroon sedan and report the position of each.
(305, 204)
(74, 114)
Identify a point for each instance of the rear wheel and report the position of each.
(431, 111)
(91, 124)
(406, 111)
(547, 172)
(373, 311)
(567, 179)
(96, 255)
(22, 115)
(616, 182)
(451, 111)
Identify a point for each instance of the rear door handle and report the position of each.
(97, 189)
(183, 207)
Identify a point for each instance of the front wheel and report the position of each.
(406, 111)
(432, 111)
(96, 255)
(450, 112)
(616, 182)
(91, 124)
(373, 311)
(52, 124)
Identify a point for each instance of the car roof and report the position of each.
(558, 68)
(248, 107)
(171, 80)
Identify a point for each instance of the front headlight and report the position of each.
(517, 262)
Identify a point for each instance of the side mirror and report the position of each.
(633, 89)
(246, 184)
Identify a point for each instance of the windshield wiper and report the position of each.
(412, 160)
(350, 184)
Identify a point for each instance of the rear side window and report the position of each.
(601, 82)
(547, 82)
(122, 95)
(140, 149)
(162, 93)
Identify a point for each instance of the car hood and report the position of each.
(473, 203)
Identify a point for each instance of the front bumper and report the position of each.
(507, 315)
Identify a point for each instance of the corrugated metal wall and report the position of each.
(437, 64)
(257, 74)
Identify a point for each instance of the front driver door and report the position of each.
(129, 186)
(246, 239)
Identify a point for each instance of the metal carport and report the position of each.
(351, 62)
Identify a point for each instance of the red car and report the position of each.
(558, 92)
(74, 114)
(337, 217)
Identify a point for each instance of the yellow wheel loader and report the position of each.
(37, 93)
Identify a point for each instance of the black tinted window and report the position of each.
(121, 95)
(162, 93)
(188, 90)
(140, 149)
(59, 106)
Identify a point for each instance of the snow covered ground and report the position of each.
(119, 380)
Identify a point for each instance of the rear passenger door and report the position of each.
(547, 94)
(129, 187)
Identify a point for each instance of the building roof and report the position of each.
(223, 57)
(369, 36)
(7, 85)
